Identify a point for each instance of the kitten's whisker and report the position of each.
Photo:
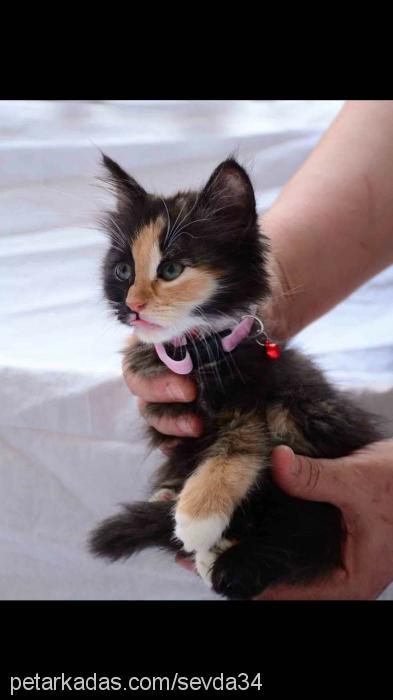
(212, 361)
(115, 239)
(187, 214)
(214, 334)
(225, 356)
(189, 335)
(186, 233)
(215, 211)
(179, 214)
(189, 223)
(235, 365)
(214, 364)
(121, 250)
(120, 243)
(118, 234)
(168, 219)
(182, 233)
(229, 356)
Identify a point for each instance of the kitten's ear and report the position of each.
(229, 193)
(125, 186)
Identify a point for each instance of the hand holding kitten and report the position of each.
(363, 491)
(166, 388)
(361, 485)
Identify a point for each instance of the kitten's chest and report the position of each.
(240, 381)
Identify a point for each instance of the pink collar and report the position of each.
(229, 343)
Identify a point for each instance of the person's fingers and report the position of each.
(166, 387)
(311, 479)
(185, 562)
(189, 425)
(335, 587)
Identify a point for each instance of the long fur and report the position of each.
(277, 538)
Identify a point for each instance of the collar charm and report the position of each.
(272, 349)
(227, 341)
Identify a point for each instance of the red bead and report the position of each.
(272, 350)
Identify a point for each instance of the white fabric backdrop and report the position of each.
(71, 440)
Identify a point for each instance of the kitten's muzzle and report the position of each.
(136, 306)
(137, 321)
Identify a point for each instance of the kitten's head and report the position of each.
(194, 260)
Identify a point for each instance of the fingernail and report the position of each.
(291, 462)
(187, 427)
(185, 562)
(175, 391)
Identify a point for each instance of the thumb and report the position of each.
(308, 478)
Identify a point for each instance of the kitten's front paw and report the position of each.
(199, 533)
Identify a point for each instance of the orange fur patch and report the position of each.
(232, 464)
(145, 250)
(162, 298)
(283, 427)
(218, 486)
(193, 286)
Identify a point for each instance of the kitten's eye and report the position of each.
(170, 271)
(123, 272)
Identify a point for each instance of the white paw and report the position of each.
(204, 561)
(163, 495)
(200, 533)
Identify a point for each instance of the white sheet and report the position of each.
(71, 440)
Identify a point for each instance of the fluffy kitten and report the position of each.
(193, 265)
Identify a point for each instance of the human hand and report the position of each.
(166, 388)
(361, 486)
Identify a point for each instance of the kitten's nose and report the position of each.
(136, 305)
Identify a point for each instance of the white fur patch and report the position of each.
(199, 534)
(155, 258)
(204, 561)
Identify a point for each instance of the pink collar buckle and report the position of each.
(183, 366)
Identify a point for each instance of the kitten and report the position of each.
(191, 267)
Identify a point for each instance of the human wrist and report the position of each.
(280, 310)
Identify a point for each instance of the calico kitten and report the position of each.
(192, 266)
